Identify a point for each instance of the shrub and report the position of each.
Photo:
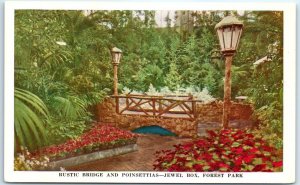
(271, 124)
(227, 150)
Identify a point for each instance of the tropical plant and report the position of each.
(30, 118)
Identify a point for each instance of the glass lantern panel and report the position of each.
(221, 38)
(236, 36)
(227, 37)
(115, 57)
(118, 57)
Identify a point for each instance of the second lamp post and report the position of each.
(229, 32)
(116, 56)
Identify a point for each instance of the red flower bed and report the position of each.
(100, 137)
(227, 150)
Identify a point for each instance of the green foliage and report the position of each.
(70, 107)
(30, 116)
(266, 85)
(151, 74)
(271, 129)
(173, 79)
(60, 129)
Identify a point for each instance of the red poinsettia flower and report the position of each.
(253, 150)
(227, 150)
(211, 133)
(259, 167)
(238, 161)
(99, 134)
(188, 146)
(277, 164)
(248, 158)
(198, 167)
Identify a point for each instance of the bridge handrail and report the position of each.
(155, 97)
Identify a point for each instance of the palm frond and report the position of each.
(70, 107)
(30, 114)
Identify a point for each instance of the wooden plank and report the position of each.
(151, 97)
(168, 108)
(186, 106)
(187, 113)
(127, 106)
(140, 102)
(138, 105)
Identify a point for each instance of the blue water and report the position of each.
(154, 130)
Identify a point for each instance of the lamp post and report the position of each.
(116, 56)
(229, 32)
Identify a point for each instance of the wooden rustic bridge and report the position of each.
(183, 115)
(183, 107)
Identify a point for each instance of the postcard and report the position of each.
(141, 92)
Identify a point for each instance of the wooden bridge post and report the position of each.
(117, 104)
(127, 100)
(194, 108)
(153, 106)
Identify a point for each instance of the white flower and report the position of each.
(46, 158)
(21, 157)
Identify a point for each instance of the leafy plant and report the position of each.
(30, 117)
(227, 150)
(271, 124)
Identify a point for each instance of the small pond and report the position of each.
(153, 130)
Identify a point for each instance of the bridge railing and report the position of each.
(183, 107)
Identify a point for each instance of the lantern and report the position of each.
(116, 55)
(229, 31)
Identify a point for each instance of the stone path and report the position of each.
(141, 160)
